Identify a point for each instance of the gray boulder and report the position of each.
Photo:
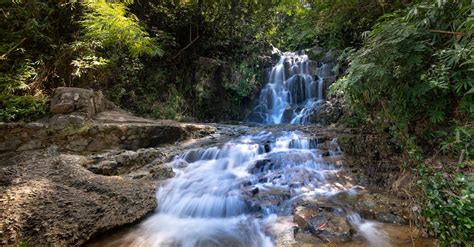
(69, 99)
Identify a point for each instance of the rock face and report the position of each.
(372, 158)
(51, 200)
(329, 112)
(69, 99)
(94, 136)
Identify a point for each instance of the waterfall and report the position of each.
(294, 89)
(235, 193)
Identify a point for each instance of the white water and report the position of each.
(234, 194)
(231, 195)
(294, 89)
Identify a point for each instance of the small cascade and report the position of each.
(295, 88)
(232, 195)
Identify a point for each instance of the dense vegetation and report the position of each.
(144, 55)
(413, 78)
(410, 70)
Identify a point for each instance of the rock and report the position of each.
(58, 122)
(329, 112)
(66, 100)
(287, 115)
(113, 163)
(97, 145)
(53, 201)
(105, 167)
(330, 57)
(330, 227)
(78, 145)
(265, 61)
(33, 144)
(62, 108)
(161, 172)
(387, 209)
(10, 144)
(302, 216)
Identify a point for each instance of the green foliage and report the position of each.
(333, 24)
(173, 108)
(27, 44)
(460, 143)
(449, 206)
(407, 75)
(22, 108)
(245, 80)
(111, 24)
(413, 77)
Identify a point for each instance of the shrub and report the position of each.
(449, 206)
(22, 108)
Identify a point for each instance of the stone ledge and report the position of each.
(93, 136)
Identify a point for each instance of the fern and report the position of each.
(111, 24)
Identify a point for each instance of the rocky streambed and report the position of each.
(58, 196)
(79, 175)
(54, 195)
(266, 186)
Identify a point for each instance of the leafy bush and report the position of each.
(449, 206)
(24, 108)
(245, 79)
(407, 75)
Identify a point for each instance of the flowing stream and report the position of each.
(236, 194)
(240, 193)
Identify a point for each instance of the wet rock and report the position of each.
(330, 228)
(303, 215)
(254, 191)
(324, 225)
(287, 115)
(267, 148)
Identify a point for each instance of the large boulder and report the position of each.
(69, 99)
(54, 201)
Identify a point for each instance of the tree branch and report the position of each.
(186, 47)
(4, 56)
(447, 32)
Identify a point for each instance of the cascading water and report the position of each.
(295, 88)
(238, 194)
(233, 194)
